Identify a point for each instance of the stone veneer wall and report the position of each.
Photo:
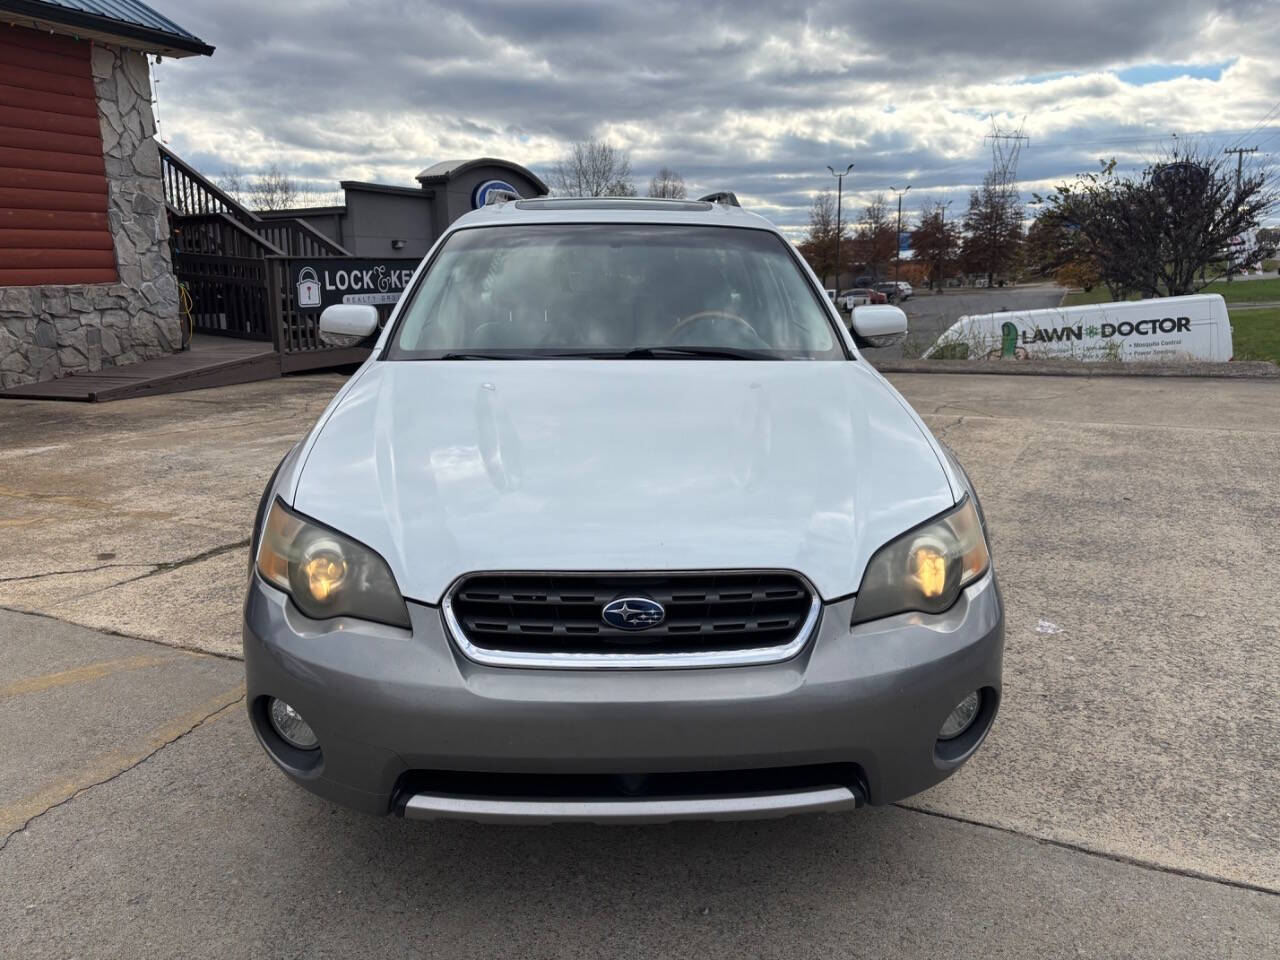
(50, 331)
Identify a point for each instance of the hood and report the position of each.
(451, 467)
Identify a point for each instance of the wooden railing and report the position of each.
(230, 296)
(214, 234)
(297, 238)
(188, 193)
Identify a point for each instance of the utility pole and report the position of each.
(1239, 152)
(839, 199)
(897, 253)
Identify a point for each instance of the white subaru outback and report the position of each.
(617, 524)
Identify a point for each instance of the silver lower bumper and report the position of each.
(755, 806)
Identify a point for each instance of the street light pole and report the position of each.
(897, 253)
(942, 244)
(839, 199)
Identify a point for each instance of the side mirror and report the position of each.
(346, 324)
(878, 324)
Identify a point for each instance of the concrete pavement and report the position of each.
(78, 707)
(134, 517)
(204, 851)
(1132, 522)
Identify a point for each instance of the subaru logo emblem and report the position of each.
(633, 613)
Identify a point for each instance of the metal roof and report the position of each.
(442, 171)
(126, 22)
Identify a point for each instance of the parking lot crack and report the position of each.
(63, 573)
(165, 738)
(1101, 854)
(167, 644)
(169, 565)
(942, 431)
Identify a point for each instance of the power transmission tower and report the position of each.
(1005, 150)
(1239, 152)
(1002, 186)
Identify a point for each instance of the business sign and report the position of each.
(480, 195)
(323, 282)
(1163, 329)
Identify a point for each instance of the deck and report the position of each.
(210, 362)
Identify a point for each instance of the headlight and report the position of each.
(327, 574)
(925, 570)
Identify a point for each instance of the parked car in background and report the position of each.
(849, 299)
(890, 290)
(905, 290)
(831, 294)
(872, 296)
(540, 561)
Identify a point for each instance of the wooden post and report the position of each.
(275, 303)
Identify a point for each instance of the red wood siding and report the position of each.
(53, 185)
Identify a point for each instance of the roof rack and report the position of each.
(726, 197)
(495, 196)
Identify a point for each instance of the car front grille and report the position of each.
(557, 618)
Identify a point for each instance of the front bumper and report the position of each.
(391, 706)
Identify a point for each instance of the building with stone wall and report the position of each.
(86, 280)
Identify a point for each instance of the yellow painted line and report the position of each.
(103, 768)
(91, 671)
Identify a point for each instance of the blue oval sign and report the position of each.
(480, 195)
(633, 613)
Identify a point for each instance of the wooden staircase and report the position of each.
(207, 220)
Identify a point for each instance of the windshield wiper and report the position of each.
(677, 353)
(635, 353)
(482, 356)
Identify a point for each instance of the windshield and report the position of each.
(614, 290)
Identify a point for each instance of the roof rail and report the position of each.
(726, 197)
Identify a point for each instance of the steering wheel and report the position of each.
(702, 316)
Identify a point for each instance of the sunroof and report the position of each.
(610, 203)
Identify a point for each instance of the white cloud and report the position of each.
(755, 97)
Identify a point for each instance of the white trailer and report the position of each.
(1163, 329)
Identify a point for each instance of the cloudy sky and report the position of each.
(756, 96)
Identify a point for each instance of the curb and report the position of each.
(1235, 370)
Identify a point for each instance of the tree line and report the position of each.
(1187, 218)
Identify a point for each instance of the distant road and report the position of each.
(929, 314)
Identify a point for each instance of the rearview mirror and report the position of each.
(879, 324)
(346, 324)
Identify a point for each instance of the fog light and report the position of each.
(292, 728)
(961, 718)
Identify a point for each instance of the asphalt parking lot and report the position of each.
(1126, 804)
(930, 314)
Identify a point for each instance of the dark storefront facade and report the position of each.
(382, 220)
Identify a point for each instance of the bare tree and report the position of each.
(232, 183)
(593, 168)
(274, 190)
(667, 183)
